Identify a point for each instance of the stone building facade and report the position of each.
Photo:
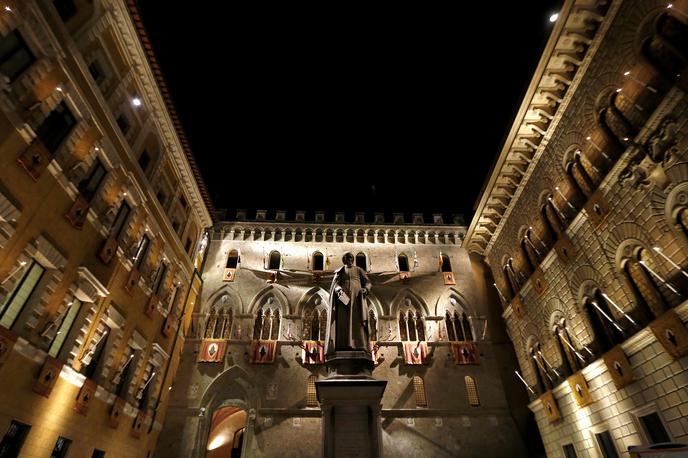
(101, 214)
(266, 289)
(594, 285)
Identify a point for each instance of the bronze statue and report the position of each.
(348, 312)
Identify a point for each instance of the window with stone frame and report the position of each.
(318, 261)
(577, 170)
(606, 330)
(232, 259)
(90, 184)
(93, 356)
(141, 251)
(20, 295)
(15, 55)
(403, 262)
(472, 391)
(66, 321)
(445, 263)
(545, 380)
(637, 266)
(311, 393)
(571, 357)
(56, 127)
(419, 391)
(275, 260)
(118, 224)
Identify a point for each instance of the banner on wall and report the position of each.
(263, 351)
(212, 351)
(415, 352)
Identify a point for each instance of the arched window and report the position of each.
(445, 262)
(553, 223)
(233, 259)
(224, 331)
(372, 325)
(403, 329)
(267, 323)
(311, 393)
(528, 257)
(451, 328)
(472, 391)
(512, 278)
(607, 331)
(579, 175)
(419, 392)
(318, 261)
(650, 301)
(210, 325)
(362, 261)
(315, 326)
(466, 327)
(572, 359)
(544, 380)
(532, 251)
(275, 261)
(403, 263)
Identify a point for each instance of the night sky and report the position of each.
(376, 108)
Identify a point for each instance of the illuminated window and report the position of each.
(17, 299)
(419, 391)
(311, 394)
(68, 317)
(472, 391)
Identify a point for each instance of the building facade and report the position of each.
(583, 224)
(246, 383)
(101, 217)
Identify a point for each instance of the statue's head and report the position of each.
(348, 259)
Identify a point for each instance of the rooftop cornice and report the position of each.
(181, 151)
(571, 46)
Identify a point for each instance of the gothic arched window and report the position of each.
(650, 299)
(607, 331)
(372, 325)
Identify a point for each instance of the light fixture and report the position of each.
(554, 17)
(626, 73)
(668, 6)
(625, 139)
(618, 90)
(136, 102)
(59, 88)
(124, 194)
(588, 138)
(97, 149)
(8, 9)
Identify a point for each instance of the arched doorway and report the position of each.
(227, 429)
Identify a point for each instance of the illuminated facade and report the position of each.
(254, 350)
(583, 223)
(101, 214)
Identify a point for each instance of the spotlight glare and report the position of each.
(554, 17)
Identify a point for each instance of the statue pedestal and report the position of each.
(350, 400)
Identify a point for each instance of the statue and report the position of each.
(348, 311)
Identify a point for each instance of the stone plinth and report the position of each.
(350, 401)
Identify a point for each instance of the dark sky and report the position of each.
(340, 108)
